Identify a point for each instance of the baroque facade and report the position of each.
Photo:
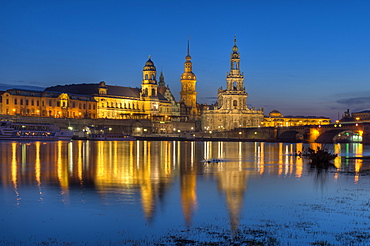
(231, 109)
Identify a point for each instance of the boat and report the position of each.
(10, 130)
(213, 160)
(110, 137)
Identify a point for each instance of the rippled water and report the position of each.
(142, 192)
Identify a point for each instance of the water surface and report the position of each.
(142, 192)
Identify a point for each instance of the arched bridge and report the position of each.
(323, 133)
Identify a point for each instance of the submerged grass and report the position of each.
(270, 234)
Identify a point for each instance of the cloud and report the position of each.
(18, 86)
(355, 101)
(356, 104)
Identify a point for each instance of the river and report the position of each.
(152, 192)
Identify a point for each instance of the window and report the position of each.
(21, 102)
(26, 101)
(32, 102)
(235, 103)
(15, 101)
(49, 102)
(7, 101)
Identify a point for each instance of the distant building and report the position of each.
(276, 119)
(47, 104)
(362, 115)
(231, 109)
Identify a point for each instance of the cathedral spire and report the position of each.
(188, 64)
(188, 57)
(235, 59)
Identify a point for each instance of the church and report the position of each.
(231, 109)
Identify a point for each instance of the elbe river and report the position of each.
(148, 192)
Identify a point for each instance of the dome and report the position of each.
(275, 113)
(149, 65)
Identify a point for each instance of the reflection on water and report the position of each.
(142, 172)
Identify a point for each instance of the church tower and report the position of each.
(235, 96)
(232, 111)
(235, 79)
(149, 84)
(188, 86)
(149, 89)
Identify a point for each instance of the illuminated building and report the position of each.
(362, 115)
(188, 94)
(276, 119)
(118, 102)
(47, 104)
(231, 110)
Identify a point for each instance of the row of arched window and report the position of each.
(129, 105)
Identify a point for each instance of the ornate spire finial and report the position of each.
(235, 48)
(188, 45)
(148, 57)
(188, 57)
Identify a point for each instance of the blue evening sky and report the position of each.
(301, 57)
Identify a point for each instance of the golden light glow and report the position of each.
(37, 164)
(62, 171)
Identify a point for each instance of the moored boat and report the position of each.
(32, 131)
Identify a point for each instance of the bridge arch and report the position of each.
(335, 135)
(291, 136)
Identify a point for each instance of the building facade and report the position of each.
(276, 119)
(19, 102)
(118, 102)
(231, 110)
